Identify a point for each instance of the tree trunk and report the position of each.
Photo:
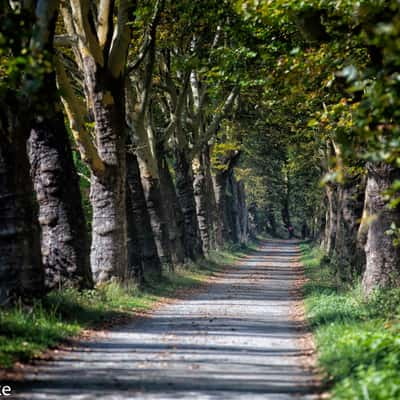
(382, 257)
(362, 233)
(220, 187)
(271, 227)
(184, 187)
(350, 204)
(253, 221)
(21, 270)
(154, 201)
(109, 254)
(330, 229)
(205, 199)
(150, 178)
(176, 225)
(212, 204)
(135, 260)
(64, 241)
(141, 233)
(243, 214)
(232, 208)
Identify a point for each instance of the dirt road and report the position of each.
(236, 340)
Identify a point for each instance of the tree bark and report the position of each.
(141, 232)
(153, 196)
(220, 186)
(109, 254)
(101, 51)
(362, 233)
(176, 225)
(212, 203)
(382, 257)
(350, 205)
(135, 260)
(243, 214)
(331, 216)
(205, 200)
(233, 208)
(145, 150)
(185, 192)
(64, 241)
(21, 270)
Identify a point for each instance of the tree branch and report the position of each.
(76, 111)
(121, 38)
(105, 22)
(149, 36)
(213, 127)
(88, 42)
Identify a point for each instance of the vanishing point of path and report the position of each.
(236, 340)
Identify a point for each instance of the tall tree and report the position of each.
(64, 239)
(101, 51)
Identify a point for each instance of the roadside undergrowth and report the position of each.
(358, 341)
(28, 331)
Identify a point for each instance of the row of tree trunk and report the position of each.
(359, 225)
(144, 220)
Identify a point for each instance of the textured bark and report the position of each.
(212, 203)
(331, 218)
(205, 200)
(135, 261)
(232, 208)
(19, 234)
(176, 225)
(21, 271)
(350, 205)
(109, 254)
(64, 240)
(109, 227)
(184, 187)
(154, 201)
(382, 257)
(142, 244)
(203, 218)
(243, 214)
(362, 233)
(220, 187)
(150, 178)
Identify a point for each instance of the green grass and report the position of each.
(27, 331)
(358, 341)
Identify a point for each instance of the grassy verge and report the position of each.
(358, 341)
(25, 332)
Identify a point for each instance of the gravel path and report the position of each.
(236, 340)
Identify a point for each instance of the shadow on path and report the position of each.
(235, 341)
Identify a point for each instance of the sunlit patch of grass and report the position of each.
(358, 341)
(25, 332)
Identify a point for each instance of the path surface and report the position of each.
(236, 340)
